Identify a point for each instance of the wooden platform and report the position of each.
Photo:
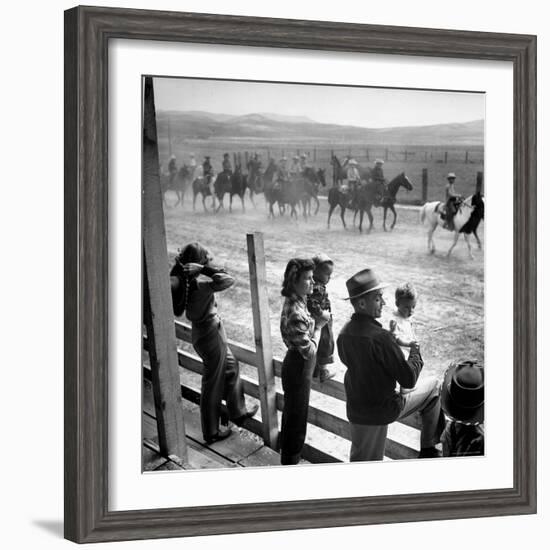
(242, 449)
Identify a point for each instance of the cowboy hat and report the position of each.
(451, 175)
(352, 161)
(463, 392)
(378, 161)
(363, 282)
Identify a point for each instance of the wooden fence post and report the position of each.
(246, 158)
(314, 154)
(157, 299)
(479, 182)
(424, 185)
(262, 337)
(386, 155)
(446, 156)
(466, 158)
(368, 158)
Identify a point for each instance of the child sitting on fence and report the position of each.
(462, 399)
(318, 304)
(401, 325)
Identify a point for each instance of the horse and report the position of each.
(343, 199)
(313, 179)
(339, 172)
(271, 189)
(222, 185)
(239, 184)
(367, 195)
(202, 185)
(176, 182)
(466, 220)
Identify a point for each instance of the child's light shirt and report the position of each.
(404, 330)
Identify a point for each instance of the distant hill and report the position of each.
(203, 125)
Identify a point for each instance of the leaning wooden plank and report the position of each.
(262, 337)
(157, 302)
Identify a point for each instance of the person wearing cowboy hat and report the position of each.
(172, 167)
(353, 176)
(281, 175)
(192, 161)
(295, 167)
(462, 400)
(375, 363)
(452, 201)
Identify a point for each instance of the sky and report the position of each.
(347, 105)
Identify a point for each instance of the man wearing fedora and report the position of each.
(374, 364)
(462, 399)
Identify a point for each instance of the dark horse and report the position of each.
(367, 198)
(234, 184)
(313, 179)
(339, 172)
(176, 182)
(222, 185)
(202, 185)
(343, 199)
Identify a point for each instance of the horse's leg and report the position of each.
(204, 202)
(477, 239)
(330, 211)
(431, 245)
(392, 208)
(384, 223)
(242, 200)
(355, 216)
(455, 240)
(252, 197)
(342, 215)
(194, 199)
(371, 219)
(467, 239)
(360, 220)
(317, 205)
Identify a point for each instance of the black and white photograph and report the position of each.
(323, 249)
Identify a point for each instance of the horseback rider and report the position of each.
(208, 173)
(192, 165)
(172, 167)
(226, 165)
(353, 176)
(282, 174)
(379, 181)
(295, 167)
(303, 162)
(452, 201)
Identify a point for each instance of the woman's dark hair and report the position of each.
(191, 253)
(294, 269)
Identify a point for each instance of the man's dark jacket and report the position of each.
(375, 363)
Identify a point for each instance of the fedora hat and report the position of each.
(463, 392)
(352, 162)
(362, 282)
(378, 161)
(451, 175)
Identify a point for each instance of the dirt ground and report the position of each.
(449, 318)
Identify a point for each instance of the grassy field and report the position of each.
(450, 313)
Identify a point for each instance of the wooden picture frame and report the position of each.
(87, 34)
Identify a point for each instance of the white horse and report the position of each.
(466, 220)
